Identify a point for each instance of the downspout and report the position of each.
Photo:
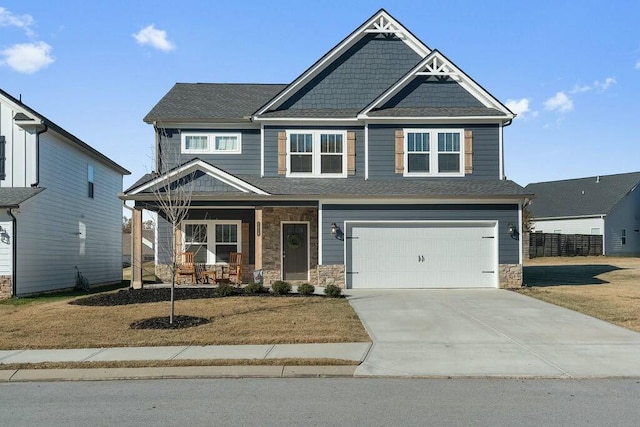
(504, 125)
(124, 205)
(38, 133)
(14, 247)
(157, 153)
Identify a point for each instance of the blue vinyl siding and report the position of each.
(271, 146)
(245, 163)
(486, 150)
(333, 249)
(358, 76)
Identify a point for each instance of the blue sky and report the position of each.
(571, 69)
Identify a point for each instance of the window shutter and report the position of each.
(399, 151)
(351, 153)
(282, 153)
(468, 152)
(2, 158)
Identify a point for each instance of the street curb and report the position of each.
(104, 374)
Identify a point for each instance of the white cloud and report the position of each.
(559, 102)
(519, 106)
(24, 22)
(580, 89)
(608, 82)
(27, 57)
(153, 37)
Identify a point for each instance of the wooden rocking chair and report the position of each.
(187, 267)
(235, 268)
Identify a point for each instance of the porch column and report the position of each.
(258, 240)
(136, 252)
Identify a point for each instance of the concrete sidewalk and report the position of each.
(344, 351)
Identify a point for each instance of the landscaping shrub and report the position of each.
(255, 288)
(225, 289)
(280, 288)
(332, 291)
(306, 289)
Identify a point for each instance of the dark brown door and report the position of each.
(295, 255)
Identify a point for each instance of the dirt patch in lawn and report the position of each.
(232, 320)
(604, 287)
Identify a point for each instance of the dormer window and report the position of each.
(211, 143)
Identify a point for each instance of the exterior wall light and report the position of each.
(513, 231)
(336, 232)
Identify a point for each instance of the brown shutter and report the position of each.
(468, 152)
(351, 153)
(399, 151)
(282, 153)
(245, 243)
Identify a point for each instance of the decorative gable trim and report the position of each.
(438, 67)
(205, 167)
(381, 22)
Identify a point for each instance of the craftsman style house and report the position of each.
(379, 166)
(59, 208)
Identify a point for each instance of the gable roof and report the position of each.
(438, 68)
(595, 195)
(195, 102)
(380, 23)
(30, 116)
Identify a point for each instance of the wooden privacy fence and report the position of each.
(551, 244)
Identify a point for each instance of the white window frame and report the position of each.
(316, 163)
(433, 151)
(211, 237)
(91, 187)
(211, 143)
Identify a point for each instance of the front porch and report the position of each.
(280, 241)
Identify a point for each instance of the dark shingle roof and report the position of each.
(212, 101)
(435, 112)
(11, 197)
(388, 187)
(582, 196)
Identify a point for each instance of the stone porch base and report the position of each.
(5, 287)
(510, 276)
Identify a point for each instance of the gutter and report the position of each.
(38, 133)
(14, 247)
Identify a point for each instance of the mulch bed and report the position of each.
(179, 322)
(141, 296)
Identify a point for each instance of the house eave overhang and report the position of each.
(432, 119)
(197, 121)
(556, 218)
(305, 119)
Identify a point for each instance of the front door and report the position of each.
(295, 251)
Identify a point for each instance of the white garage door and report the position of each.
(422, 255)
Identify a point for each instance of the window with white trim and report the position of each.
(433, 152)
(211, 143)
(316, 153)
(212, 241)
(90, 184)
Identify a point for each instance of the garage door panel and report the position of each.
(401, 255)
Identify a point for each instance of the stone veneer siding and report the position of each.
(5, 287)
(272, 218)
(510, 276)
(331, 275)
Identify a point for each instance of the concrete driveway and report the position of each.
(487, 332)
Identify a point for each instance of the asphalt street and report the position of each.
(319, 402)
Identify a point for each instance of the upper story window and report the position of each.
(212, 143)
(316, 153)
(90, 181)
(433, 152)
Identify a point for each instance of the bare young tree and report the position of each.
(173, 196)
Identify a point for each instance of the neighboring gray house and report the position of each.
(379, 166)
(58, 206)
(607, 205)
(148, 247)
